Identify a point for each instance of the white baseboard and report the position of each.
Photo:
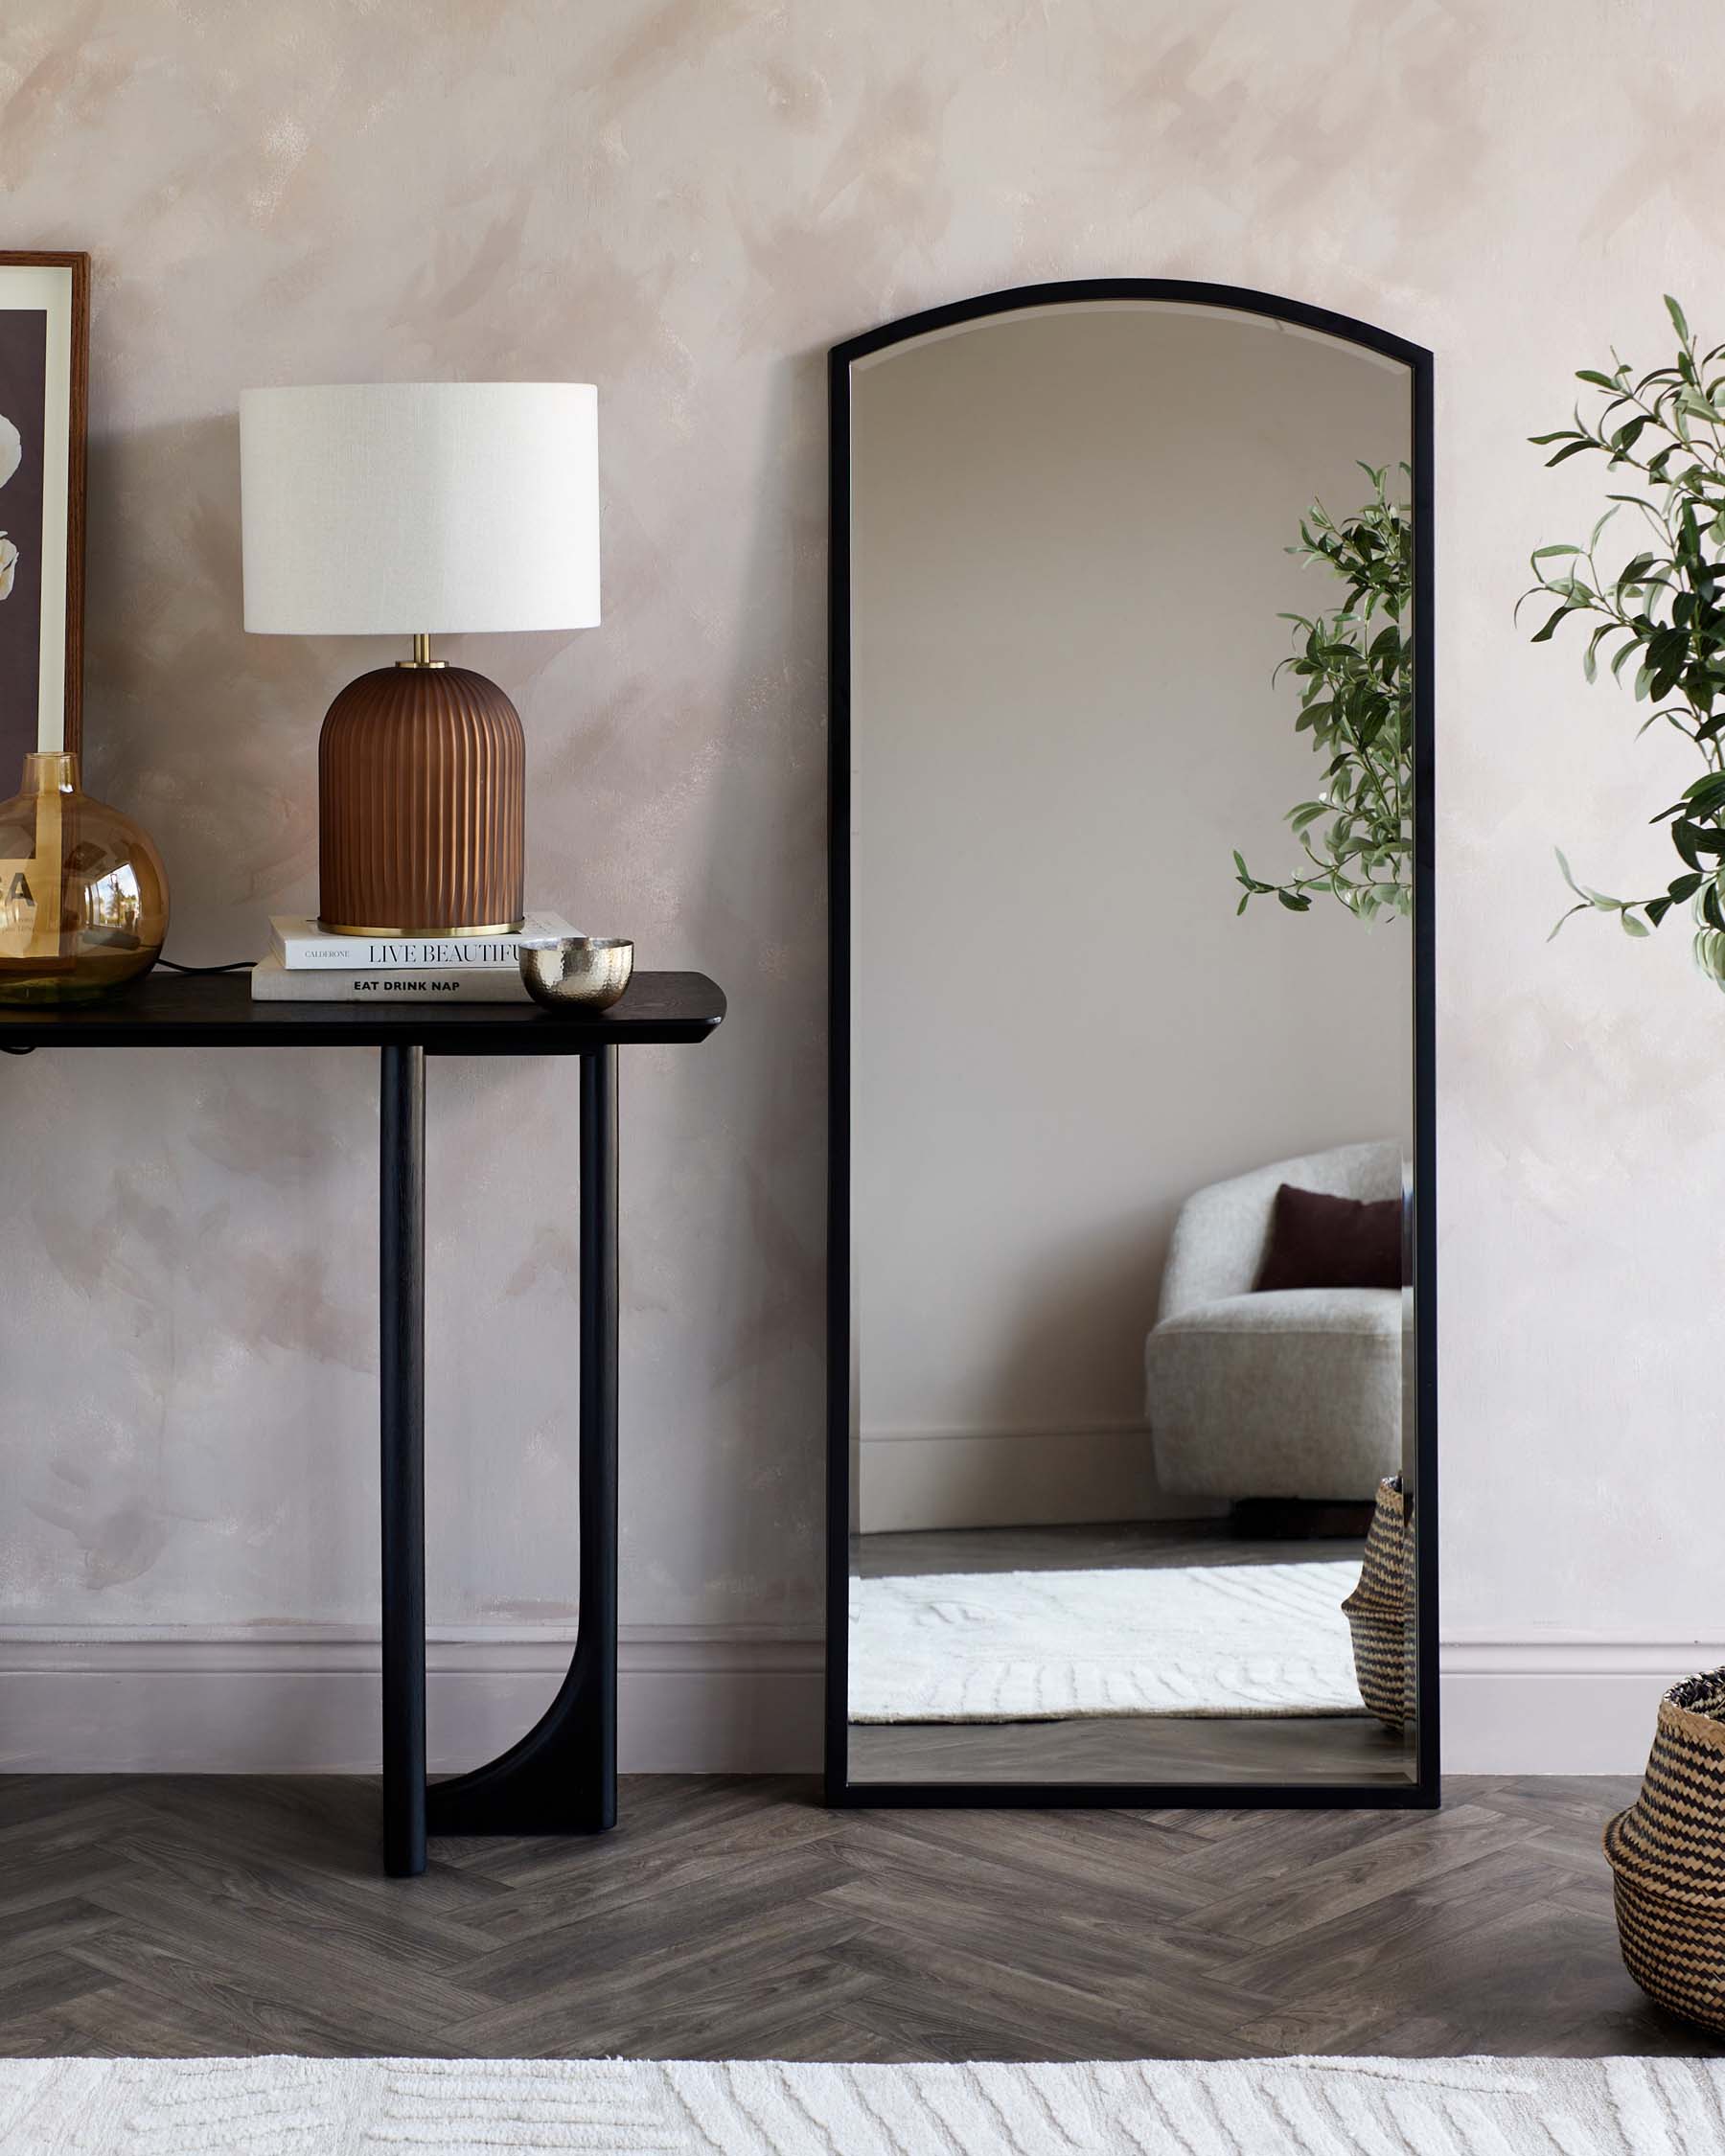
(707, 1699)
(902, 1481)
(1570, 1705)
(711, 1699)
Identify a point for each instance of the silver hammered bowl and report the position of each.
(575, 973)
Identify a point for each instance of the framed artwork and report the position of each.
(44, 375)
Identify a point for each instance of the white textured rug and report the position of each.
(1049, 1646)
(1263, 2107)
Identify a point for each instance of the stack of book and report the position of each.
(308, 965)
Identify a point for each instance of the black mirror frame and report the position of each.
(1421, 1791)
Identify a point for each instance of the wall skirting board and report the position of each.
(1568, 1704)
(696, 1699)
(717, 1699)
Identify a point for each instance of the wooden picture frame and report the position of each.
(44, 407)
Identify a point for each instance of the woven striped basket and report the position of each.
(1380, 1611)
(1667, 1854)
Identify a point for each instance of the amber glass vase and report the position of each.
(84, 896)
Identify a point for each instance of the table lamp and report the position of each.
(416, 509)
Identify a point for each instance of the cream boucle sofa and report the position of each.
(1297, 1394)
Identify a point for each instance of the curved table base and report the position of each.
(562, 1777)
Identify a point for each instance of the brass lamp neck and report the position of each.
(422, 652)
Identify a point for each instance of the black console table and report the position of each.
(561, 1777)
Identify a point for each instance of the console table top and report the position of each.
(167, 1010)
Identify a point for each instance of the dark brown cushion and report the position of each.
(1321, 1242)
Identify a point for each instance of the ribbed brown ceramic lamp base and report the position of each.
(419, 780)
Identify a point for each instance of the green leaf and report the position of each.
(1678, 321)
(1353, 664)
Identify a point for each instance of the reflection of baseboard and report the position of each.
(1012, 1479)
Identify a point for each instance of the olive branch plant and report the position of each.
(1355, 664)
(1665, 606)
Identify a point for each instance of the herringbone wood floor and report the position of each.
(738, 1918)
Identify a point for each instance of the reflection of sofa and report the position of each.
(1297, 1394)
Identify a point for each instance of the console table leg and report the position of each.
(597, 1767)
(562, 1777)
(401, 1390)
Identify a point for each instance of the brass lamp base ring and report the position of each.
(425, 935)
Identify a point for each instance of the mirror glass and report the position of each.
(1131, 655)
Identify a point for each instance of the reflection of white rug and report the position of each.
(1317, 2106)
(1050, 1647)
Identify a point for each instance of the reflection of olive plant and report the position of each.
(1356, 667)
(1666, 605)
(11, 453)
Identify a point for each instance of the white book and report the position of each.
(298, 942)
(392, 989)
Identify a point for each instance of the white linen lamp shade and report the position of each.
(420, 509)
(386, 508)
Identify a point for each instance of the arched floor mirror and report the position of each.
(1133, 1466)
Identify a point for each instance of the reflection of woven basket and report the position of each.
(1380, 1610)
(1667, 1854)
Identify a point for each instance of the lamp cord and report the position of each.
(173, 966)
